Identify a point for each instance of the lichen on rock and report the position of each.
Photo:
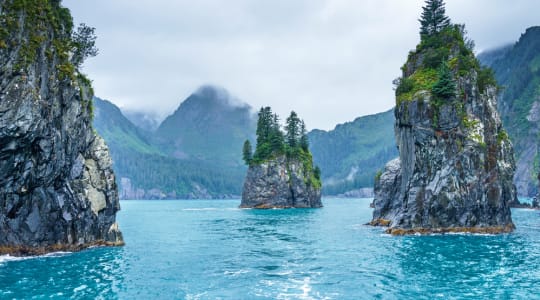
(52, 164)
(455, 167)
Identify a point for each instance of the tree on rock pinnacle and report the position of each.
(433, 18)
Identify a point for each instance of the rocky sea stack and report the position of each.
(57, 188)
(281, 172)
(455, 167)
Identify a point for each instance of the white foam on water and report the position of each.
(80, 288)
(56, 254)
(8, 258)
(465, 233)
(195, 296)
(236, 273)
(303, 285)
(306, 288)
(209, 209)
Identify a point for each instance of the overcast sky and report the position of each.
(329, 60)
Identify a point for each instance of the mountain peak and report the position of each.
(213, 95)
(209, 116)
(212, 91)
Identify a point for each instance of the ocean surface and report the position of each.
(212, 250)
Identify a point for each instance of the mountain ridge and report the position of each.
(517, 70)
(145, 169)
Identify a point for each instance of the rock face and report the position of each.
(57, 187)
(455, 167)
(279, 183)
(452, 178)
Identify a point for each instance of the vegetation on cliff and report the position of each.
(47, 23)
(443, 54)
(272, 143)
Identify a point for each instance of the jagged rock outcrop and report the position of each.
(455, 177)
(455, 166)
(279, 183)
(57, 187)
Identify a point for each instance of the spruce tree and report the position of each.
(263, 125)
(445, 87)
(304, 142)
(276, 139)
(247, 152)
(433, 18)
(317, 173)
(292, 130)
(270, 140)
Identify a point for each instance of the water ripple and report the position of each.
(213, 250)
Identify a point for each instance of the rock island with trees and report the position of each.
(281, 173)
(455, 167)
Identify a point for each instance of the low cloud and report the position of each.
(331, 61)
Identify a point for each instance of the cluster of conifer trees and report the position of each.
(444, 51)
(272, 141)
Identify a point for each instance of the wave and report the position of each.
(210, 209)
(9, 258)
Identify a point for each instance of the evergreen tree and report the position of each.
(247, 152)
(264, 125)
(445, 87)
(276, 139)
(270, 140)
(433, 18)
(84, 42)
(292, 130)
(317, 173)
(304, 142)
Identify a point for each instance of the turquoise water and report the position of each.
(212, 250)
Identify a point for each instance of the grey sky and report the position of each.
(329, 60)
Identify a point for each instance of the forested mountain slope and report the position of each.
(517, 70)
(352, 153)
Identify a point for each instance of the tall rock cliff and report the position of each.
(281, 173)
(57, 188)
(455, 166)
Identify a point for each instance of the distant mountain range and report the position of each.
(146, 168)
(196, 151)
